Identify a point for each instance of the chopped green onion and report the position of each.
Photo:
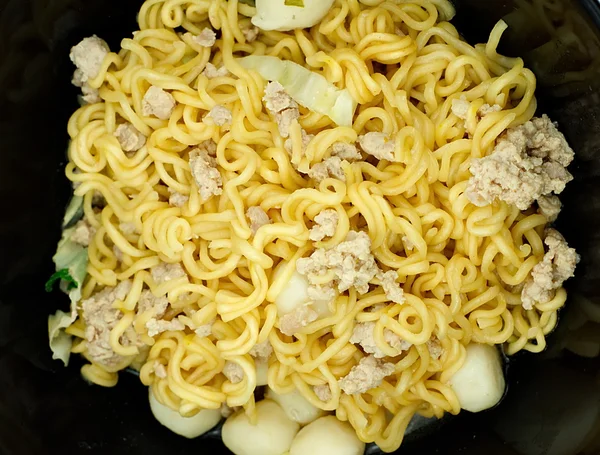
(63, 275)
(299, 3)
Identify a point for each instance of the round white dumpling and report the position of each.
(294, 293)
(296, 407)
(272, 434)
(277, 15)
(479, 384)
(327, 436)
(189, 427)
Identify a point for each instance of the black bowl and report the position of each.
(553, 402)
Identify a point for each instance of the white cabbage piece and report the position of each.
(307, 88)
(74, 211)
(71, 268)
(284, 15)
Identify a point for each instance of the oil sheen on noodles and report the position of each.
(450, 275)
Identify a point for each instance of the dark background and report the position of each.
(553, 404)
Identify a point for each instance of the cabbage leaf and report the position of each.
(71, 268)
(307, 88)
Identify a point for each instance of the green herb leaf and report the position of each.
(299, 3)
(62, 274)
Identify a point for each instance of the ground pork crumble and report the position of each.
(291, 322)
(557, 265)
(323, 392)
(257, 217)
(379, 145)
(328, 168)
(212, 72)
(282, 106)
(100, 318)
(352, 264)
(164, 272)
(130, 139)
(206, 38)
(363, 335)
(233, 372)
(84, 233)
(368, 374)
(205, 173)
(460, 107)
(158, 102)
(262, 350)
(220, 115)
(325, 225)
(550, 207)
(88, 57)
(528, 162)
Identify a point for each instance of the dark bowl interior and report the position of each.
(553, 402)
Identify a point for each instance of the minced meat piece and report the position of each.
(346, 151)
(205, 173)
(435, 348)
(329, 168)
(149, 301)
(550, 207)
(220, 115)
(460, 107)
(159, 103)
(276, 99)
(158, 326)
(351, 261)
(294, 321)
(365, 376)
(487, 109)
(159, 370)
(407, 243)
(233, 372)
(130, 139)
(100, 318)
(318, 293)
(90, 95)
(209, 146)
(250, 33)
(88, 57)
(528, 162)
(204, 330)
(323, 392)
(206, 38)
(257, 217)
(177, 199)
(212, 72)
(128, 228)
(285, 119)
(392, 289)
(164, 272)
(306, 138)
(262, 350)
(557, 265)
(84, 233)
(325, 225)
(378, 145)
(363, 335)
(282, 106)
